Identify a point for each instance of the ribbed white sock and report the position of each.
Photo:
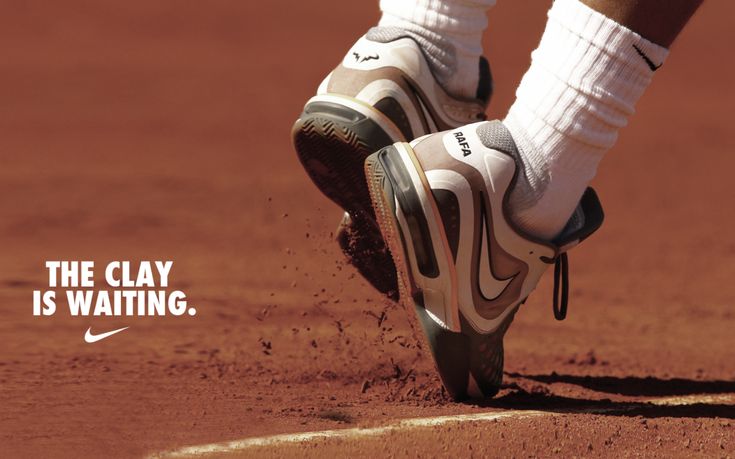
(585, 77)
(450, 33)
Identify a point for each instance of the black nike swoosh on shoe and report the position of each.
(648, 60)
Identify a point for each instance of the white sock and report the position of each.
(450, 33)
(585, 77)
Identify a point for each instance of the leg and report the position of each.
(656, 21)
(474, 216)
(585, 78)
(450, 34)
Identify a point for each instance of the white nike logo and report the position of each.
(90, 338)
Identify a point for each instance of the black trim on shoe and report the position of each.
(390, 107)
(448, 205)
(450, 351)
(593, 218)
(410, 203)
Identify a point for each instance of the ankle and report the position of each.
(584, 81)
(450, 35)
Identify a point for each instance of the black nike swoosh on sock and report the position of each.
(648, 60)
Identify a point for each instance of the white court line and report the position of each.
(408, 424)
(693, 400)
(355, 432)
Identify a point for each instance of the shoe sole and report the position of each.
(454, 353)
(382, 198)
(332, 141)
(332, 138)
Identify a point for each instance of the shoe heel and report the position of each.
(391, 178)
(332, 141)
(389, 190)
(383, 202)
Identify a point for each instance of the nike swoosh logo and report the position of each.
(491, 286)
(648, 60)
(90, 338)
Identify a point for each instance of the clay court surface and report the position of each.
(160, 131)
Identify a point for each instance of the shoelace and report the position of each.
(561, 282)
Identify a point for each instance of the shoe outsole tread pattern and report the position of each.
(332, 156)
(332, 143)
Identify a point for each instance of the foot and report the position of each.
(382, 92)
(442, 206)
